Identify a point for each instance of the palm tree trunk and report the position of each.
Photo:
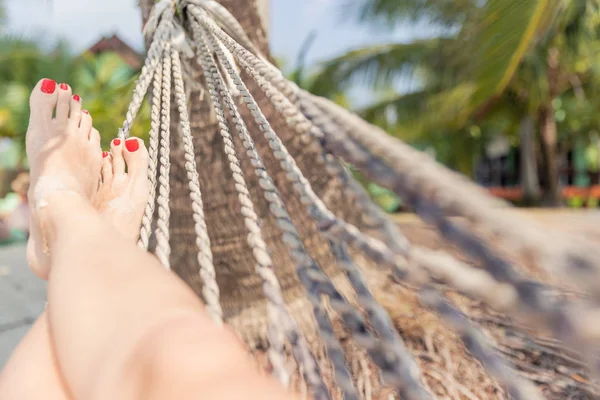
(548, 140)
(529, 171)
(241, 288)
(549, 134)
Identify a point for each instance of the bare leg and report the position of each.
(121, 200)
(123, 327)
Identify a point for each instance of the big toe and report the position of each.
(43, 101)
(136, 157)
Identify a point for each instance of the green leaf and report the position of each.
(379, 66)
(500, 40)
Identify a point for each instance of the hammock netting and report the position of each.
(205, 32)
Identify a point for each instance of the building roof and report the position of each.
(115, 44)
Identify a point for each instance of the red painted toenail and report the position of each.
(104, 154)
(117, 142)
(48, 86)
(85, 112)
(76, 98)
(64, 86)
(132, 145)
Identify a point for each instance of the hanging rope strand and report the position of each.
(153, 58)
(299, 254)
(146, 229)
(163, 247)
(394, 371)
(276, 311)
(532, 296)
(210, 289)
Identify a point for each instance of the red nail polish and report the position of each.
(48, 86)
(132, 145)
(104, 154)
(64, 86)
(76, 98)
(85, 112)
(117, 142)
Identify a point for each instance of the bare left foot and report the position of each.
(124, 190)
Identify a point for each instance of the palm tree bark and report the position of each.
(529, 172)
(234, 262)
(548, 139)
(549, 134)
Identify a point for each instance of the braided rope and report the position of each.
(306, 266)
(478, 284)
(271, 285)
(525, 293)
(532, 295)
(278, 315)
(296, 120)
(577, 261)
(146, 229)
(400, 375)
(210, 289)
(518, 388)
(163, 247)
(228, 22)
(153, 59)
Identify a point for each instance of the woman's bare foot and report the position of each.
(124, 191)
(65, 157)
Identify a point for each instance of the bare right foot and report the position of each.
(123, 195)
(65, 157)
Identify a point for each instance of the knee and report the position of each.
(189, 352)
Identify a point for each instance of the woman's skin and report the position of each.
(117, 325)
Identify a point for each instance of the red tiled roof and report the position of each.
(115, 44)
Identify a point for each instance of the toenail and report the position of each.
(76, 98)
(132, 145)
(104, 154)
(48, 86)
(117, 142)
(64, 86)
(86, 112)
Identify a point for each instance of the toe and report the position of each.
(95, 138)
(63, 105)
(116, 149)
(85, 127)
(107, 168)
(43, 100)
(75, 114)
(136, 156)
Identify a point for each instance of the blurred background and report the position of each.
(503, 91)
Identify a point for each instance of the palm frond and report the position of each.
(392, 13)
(379, 66)
(502, 37)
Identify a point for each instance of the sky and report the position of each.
(83, 22)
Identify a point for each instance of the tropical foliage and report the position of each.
(486, 67)
(104, 82)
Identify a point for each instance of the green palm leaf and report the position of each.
(392, 13)
(500, 40)
(379, 66)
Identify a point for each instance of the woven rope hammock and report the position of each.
(207, 33)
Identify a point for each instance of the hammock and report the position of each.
(206, 32)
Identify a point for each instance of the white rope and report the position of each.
(210, 289)
(276, 311)
(525, 294)
(163, 247)
(146, 229)
(399, 374)
(153, 59)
